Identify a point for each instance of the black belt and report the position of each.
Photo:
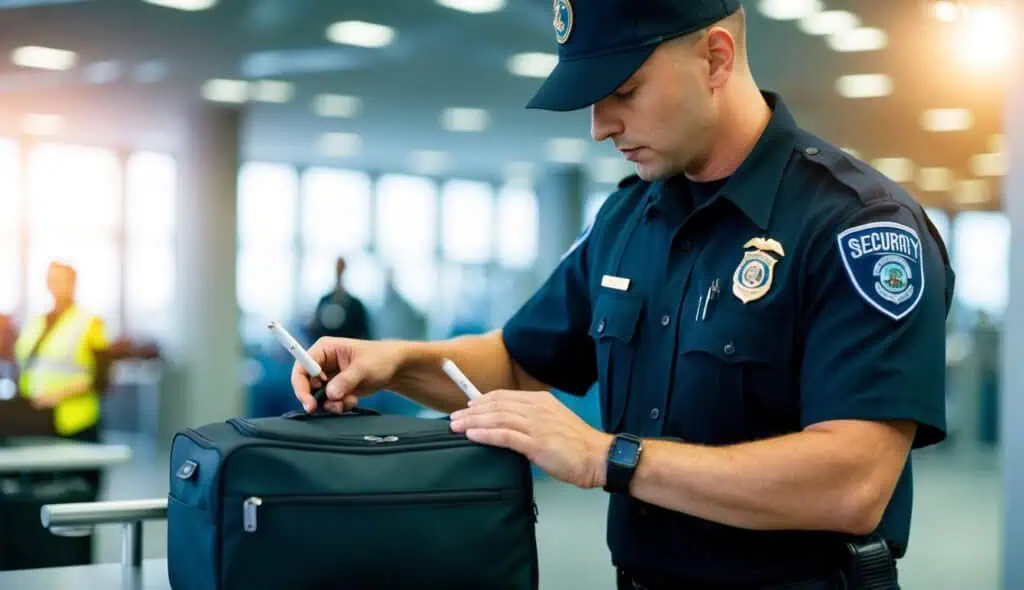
(627, 581)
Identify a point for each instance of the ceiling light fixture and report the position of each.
(361, 34)
(861, 39)
(473, 6)
(464, 120)
(274, 91)
(864, 85)
(44, 58)
(336, 105)
(989, 165)
(188, 5)
(974, 191)
(42, 124)
(898, 169)
(532, 65)
(830, 22)
(224, 90)
(564, 150)
(945, 11)
(340, 145)
(946, 120)
(788, 9)
(429, 162)
(986, 38)
(935, 180)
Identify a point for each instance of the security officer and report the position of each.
(764, 315)
(63, 357)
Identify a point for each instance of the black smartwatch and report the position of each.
(623, 457)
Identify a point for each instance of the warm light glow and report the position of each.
(830, 22)
(898, 169)
(988, 165)
(788, 9)
(971, 192)
(935, 180)
(986, 40)
(945, 11)
(42, 124)
(361, 34)
(864, 86)
(943, 120)
(862, 39)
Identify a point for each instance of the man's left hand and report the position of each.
(538, 426)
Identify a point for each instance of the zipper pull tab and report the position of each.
(249, 509)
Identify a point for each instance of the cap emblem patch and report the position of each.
(563, 20)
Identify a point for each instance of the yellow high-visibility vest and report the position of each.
(65, 360)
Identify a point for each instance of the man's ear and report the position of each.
(721, 55)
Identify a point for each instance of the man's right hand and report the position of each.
(353, 368)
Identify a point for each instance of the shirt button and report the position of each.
(729, 349)
(655, 414)
(812, 151)
(666, 320)
(601, 326)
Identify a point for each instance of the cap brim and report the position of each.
(578, 83)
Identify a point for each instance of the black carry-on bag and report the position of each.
(357, 501)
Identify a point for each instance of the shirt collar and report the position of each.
(753, 186)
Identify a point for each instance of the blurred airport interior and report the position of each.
(203, 166)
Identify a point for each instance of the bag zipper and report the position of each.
(252, 504)
(247, 428)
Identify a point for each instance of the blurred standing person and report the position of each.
(64, 362)
(339, 313)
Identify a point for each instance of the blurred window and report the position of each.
(417, 283)
(335, 210)
(10, 224)
(981, 258)
(406, 219)
(74, 216)
(941, 221)
(267, 205)
(150, 225)
(467, 221)
(518, 227)
(592, 205)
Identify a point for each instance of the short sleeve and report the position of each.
(874, 323)
(548, 337)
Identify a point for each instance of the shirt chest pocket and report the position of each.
(735, 380)
(614, 328)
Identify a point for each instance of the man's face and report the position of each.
(663, 118)
(61, 283)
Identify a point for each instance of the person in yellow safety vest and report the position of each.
(64, 362)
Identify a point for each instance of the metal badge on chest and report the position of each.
(756, 272)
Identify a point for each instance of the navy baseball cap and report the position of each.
(601, 43)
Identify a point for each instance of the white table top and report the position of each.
(106, 576)
(26, 455)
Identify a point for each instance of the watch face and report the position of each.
(624, 452)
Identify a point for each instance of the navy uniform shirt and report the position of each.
(806, 287)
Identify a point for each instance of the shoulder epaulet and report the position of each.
(852, 174)
(629, 181)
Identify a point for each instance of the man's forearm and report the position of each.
(804, 481)
(484, 359)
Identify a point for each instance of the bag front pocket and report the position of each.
(440, 539)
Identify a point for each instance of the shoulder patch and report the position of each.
(884, 262)
(628, 181)
(579, 241)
